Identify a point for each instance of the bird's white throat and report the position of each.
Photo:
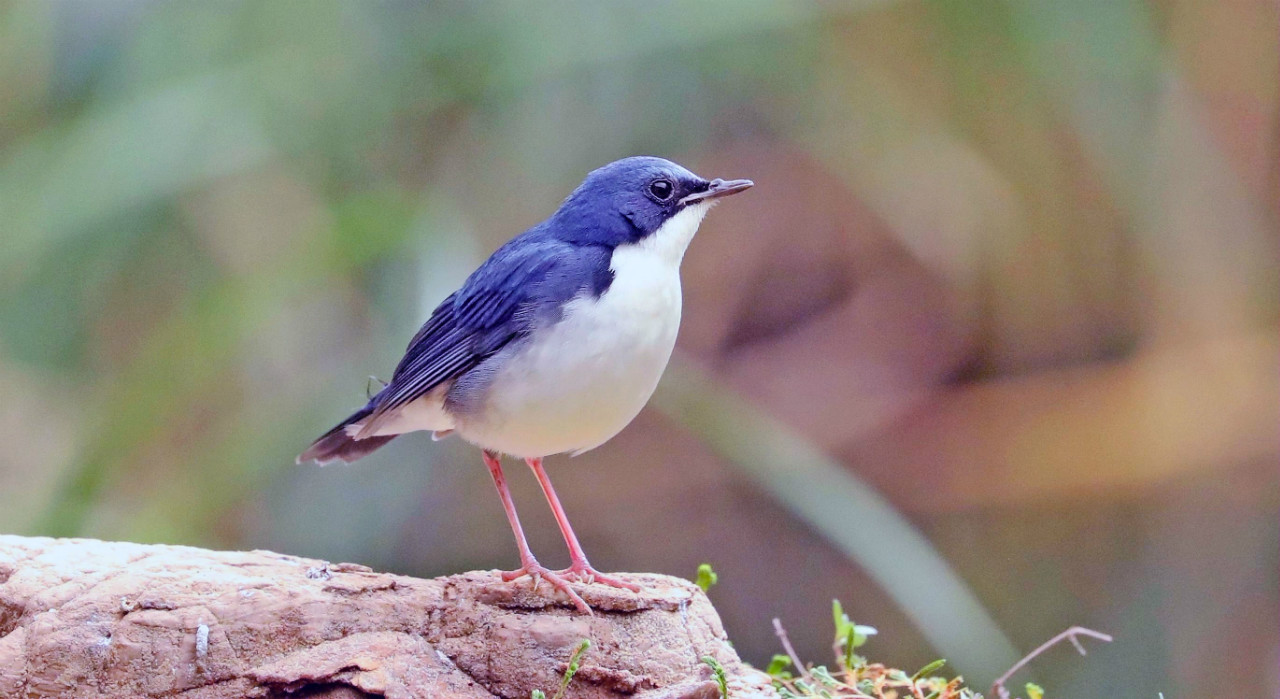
(672, 238)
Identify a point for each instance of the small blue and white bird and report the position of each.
(554, 344)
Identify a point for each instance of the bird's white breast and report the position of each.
(577, 383)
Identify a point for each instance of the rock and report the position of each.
(83, 618)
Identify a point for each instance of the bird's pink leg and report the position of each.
(579, 568)
(528, 564)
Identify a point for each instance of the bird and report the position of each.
(553, 345)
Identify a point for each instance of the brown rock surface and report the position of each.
(83, 618)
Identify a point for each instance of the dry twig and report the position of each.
(998, 688)
(786, 645)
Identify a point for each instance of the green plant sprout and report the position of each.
(849, 636)
(858, 679)
(777, 667)
(570, 670)
(929, 669)
(855, 678)
(706, 577)
(718, 669)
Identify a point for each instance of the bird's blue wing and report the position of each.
(522, 284)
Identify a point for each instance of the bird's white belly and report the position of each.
(577, 383)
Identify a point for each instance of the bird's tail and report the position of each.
(337, 445)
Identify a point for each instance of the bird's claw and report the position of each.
(582, 571)
(537, 573)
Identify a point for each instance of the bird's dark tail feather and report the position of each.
(335, 445)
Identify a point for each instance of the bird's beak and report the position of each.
(719, 188)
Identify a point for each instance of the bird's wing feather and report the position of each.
(499, 302)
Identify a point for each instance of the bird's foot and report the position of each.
(583, 572)
(538, 572)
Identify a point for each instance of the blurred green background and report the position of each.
(1011, 265)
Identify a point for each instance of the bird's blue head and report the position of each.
(629, 200)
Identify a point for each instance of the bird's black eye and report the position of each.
(661, 189)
